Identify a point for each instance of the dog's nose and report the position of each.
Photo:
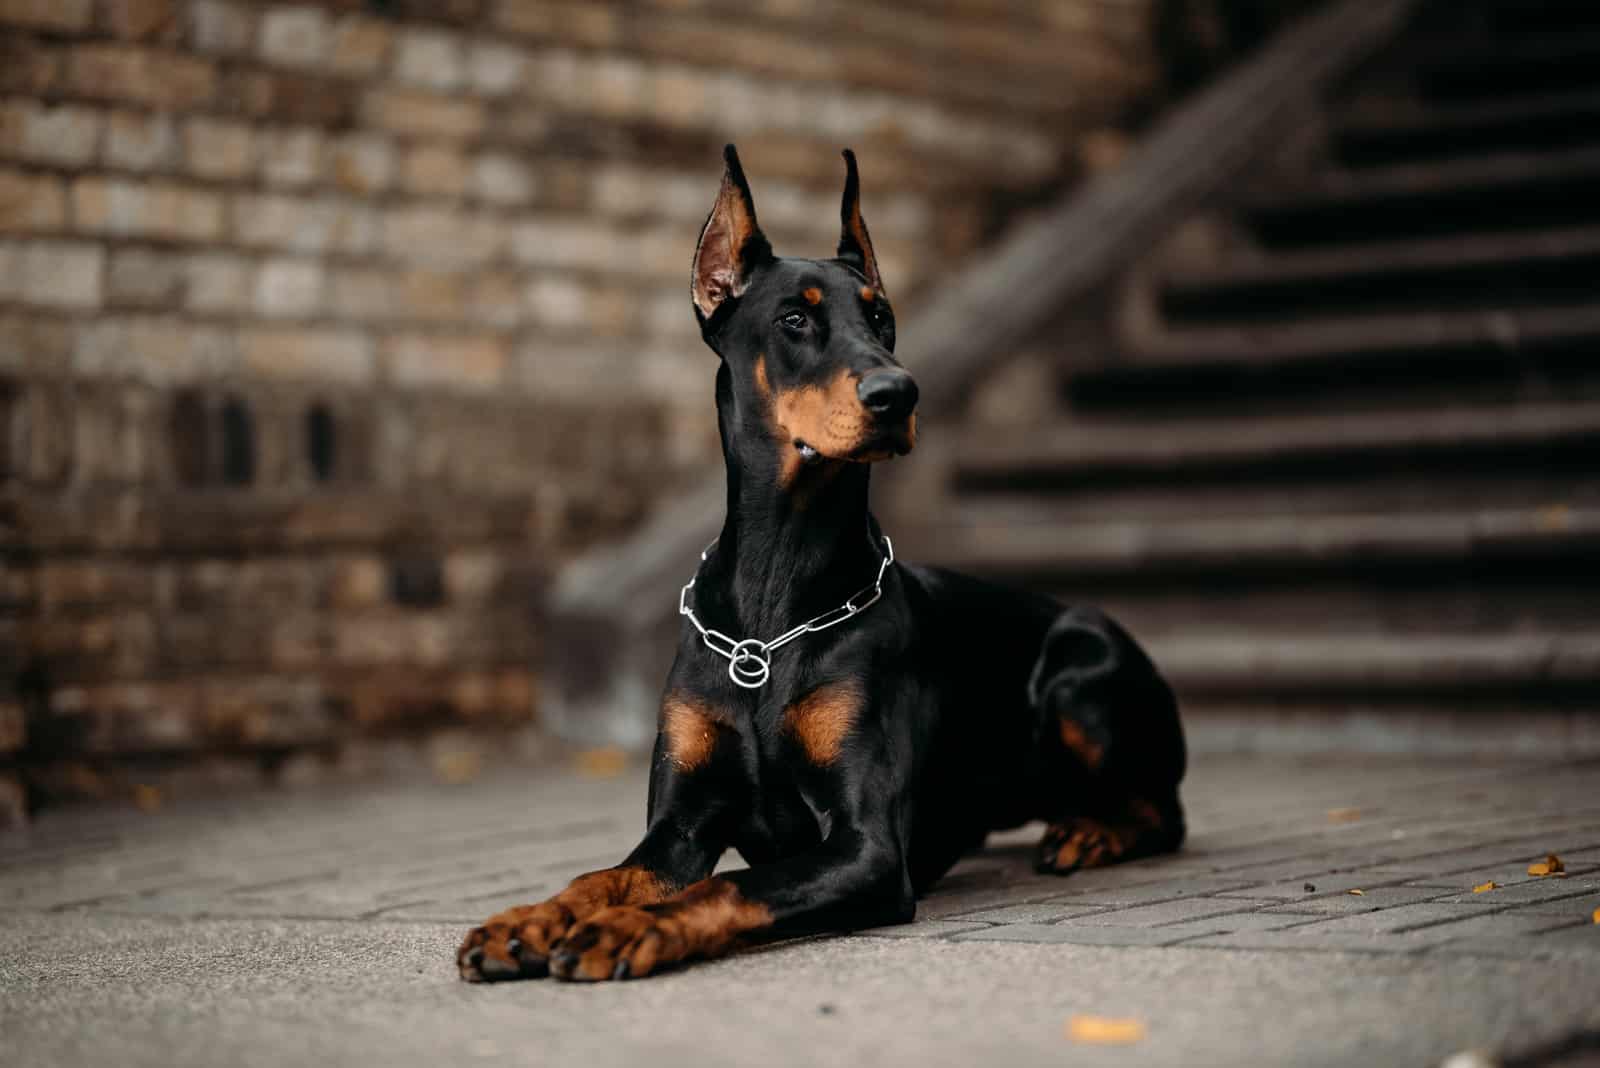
(889, 394)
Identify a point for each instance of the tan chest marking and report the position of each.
(822, 720)
(691, 730)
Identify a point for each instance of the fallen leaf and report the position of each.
(1597, 915)
(1550, 865)
(1343, 815)
(458, 766)
(605, 763)
(1356, 893)
(1104, 1030)
(146, 798)
(1482, 887)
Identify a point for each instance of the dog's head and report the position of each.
(808, 344)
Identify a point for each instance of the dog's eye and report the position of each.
(880, 316)
(793, 322)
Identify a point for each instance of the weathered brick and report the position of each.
(441, 237)
(31, 203)
(431, 59)
(140, 142)
(359, 46)
(145, 277)
(29, 66)
(314, 354)
(218, 282)
(142, 20)
(501, 179)
(159, 350)
(294, 35)
(433, 295)
(591, 24)
(146, 209)
(48, 14)
(62, 274)
(495, 68)
(146, 75)
(566, 242)
(423, 114)
(291, 157)
(471, 362)
(557, 301)
(287, 288)
(13, 730)
(216, 148)
(49, 134)
(291, 97)
(361, 163)
(494, 299)
(30, 344)
(362, 293)
(11, 277)
(221, 27)
(304, 224)
(431, 169)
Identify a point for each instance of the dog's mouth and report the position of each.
(883, 444)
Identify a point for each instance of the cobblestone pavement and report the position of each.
(320, 927)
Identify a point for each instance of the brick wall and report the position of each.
(327, 330)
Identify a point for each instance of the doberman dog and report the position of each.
(888, 724)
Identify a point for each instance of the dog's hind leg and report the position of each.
(1112, 747)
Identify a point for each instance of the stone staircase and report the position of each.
(1333, 445)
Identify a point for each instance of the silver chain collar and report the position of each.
(750, 660)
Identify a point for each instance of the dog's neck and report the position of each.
(786, 553)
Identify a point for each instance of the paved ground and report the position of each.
(321, 927)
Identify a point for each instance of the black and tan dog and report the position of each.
(850, 766)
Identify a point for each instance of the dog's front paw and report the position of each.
(623, 942)
(514, 944)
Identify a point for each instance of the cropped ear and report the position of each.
(731, 244)
(855, 247)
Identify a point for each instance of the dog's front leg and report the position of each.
(685, 837)
(856, 877)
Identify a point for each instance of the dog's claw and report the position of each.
(623, 970)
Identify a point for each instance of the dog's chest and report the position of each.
(790, 812)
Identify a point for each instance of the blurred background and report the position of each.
(348, 377)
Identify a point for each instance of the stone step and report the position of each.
(1365, 355)
(1388, 129)
(1497, 192)
(1486, 20)
(1055, 547)
(1516, 269)
(1469, 602)
(1069, 456)
(1519, 667)
(1488, 67)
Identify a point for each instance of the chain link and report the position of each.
(750, 660)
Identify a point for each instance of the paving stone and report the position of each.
(1546, 889)
(1163, 913)
(1040, 912)
(1381, 897)
(1048, 933)
(1296, 938)
(1295, 889)
(924, 929)
(1583, 905)
(1148, 893)
(1399, 918)
(1268, 920)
